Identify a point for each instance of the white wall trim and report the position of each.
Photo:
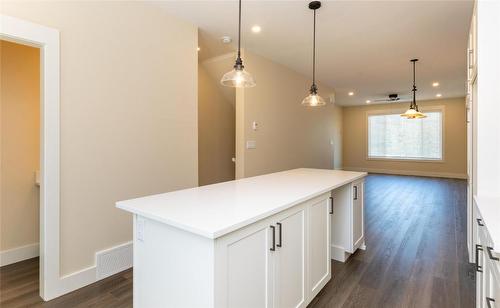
(410, 172)
(47, 39)
(19, 254)
(114, 260)
(120, 255)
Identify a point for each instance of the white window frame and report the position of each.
(439, 108)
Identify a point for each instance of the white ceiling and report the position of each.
(362, 46)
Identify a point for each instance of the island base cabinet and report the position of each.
(487, 266)
(274, 262)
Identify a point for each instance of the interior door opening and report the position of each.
(20, 157)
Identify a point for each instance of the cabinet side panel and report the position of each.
(172, 268)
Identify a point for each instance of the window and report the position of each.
(391, 136)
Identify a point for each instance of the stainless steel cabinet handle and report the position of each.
(480, 222)
(273, 248)
(331, 205)
(490, 254)
(479, 268)
(488, 301)
(279, 234)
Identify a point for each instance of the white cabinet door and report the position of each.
(319, 246)
(290, 259)
(357, 216)
(244, 268)
(491, 283)
(493, 296)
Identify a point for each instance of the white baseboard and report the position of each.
(410, 172)
(338, 253)
(114, 260)
(108, 262)
(19, 254)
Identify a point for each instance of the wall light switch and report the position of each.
(251, 144)
(255, 125)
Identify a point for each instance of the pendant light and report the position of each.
(412, 112)
(238, 77)
(313, 99)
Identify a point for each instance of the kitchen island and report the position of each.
(255, 242)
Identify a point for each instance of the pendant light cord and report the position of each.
(314, 49)
(239, 29)
(414, 86)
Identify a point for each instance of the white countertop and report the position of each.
(215, 210)
(489, 208)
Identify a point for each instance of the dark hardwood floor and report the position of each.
(416, 256)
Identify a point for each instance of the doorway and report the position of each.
(19, 152)
(23, 32)
(216, 120)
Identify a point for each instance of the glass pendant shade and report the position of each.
(313, 100)
(238, 78)
(413, 114)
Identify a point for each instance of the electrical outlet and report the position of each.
(140, 225)
(251, 144)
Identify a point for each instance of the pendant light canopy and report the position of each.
(313, 99)
(412, 112)
(238, 77)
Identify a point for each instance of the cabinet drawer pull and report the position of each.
(488, 301)
(279, 234)
(331, 205)
(480, 222)
(490, 254)
(273, 248)
(355, 192)
(479, 268)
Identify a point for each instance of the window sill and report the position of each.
(408, 160)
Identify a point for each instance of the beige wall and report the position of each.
(216, 131)
(289, 135)
(455, 141)
(20, 144)
(128, 114)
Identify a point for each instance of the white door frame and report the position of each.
(47, 39)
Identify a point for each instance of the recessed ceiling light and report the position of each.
(368, 101)
(226, 39)
(351, 93)
(199, 49)
(435, 84)
(439, 95)
(256, 29)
